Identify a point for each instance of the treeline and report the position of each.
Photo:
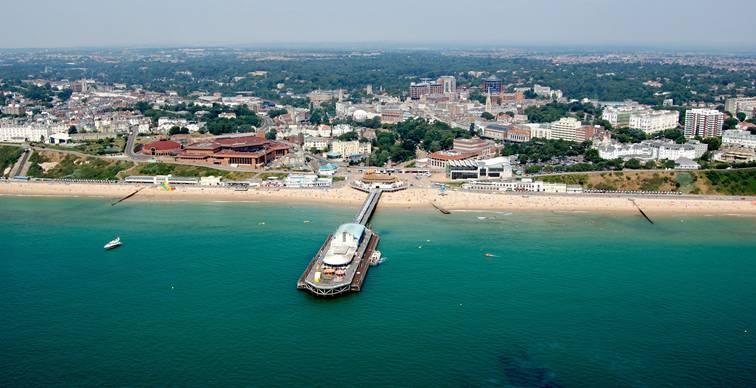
(554, 111)
(391, 71)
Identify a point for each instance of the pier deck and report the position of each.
(314, 281)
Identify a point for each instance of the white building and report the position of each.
(523, 185)
(653, 150)
(344, 245)
(547, 92)
(739, 138)
(686, 164)
(24, 133)
(703, 123)
(494, 168)
(566, 129)
(318, 143)
(542, 131)
(166, 123)
(652, 121)
(348, 148)
(306, 180)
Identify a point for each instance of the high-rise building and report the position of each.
(567, 128)
(449, 83)
(492, 85)
(703, 123)
(417, 90)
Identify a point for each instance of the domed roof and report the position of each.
(360, 115)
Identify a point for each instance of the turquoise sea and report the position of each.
(204, 294)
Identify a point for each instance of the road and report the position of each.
(129, 151)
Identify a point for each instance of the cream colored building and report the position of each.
(347, 148)
(566, 129)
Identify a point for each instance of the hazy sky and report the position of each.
(77, 23)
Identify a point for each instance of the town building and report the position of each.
(567, 129)
(494, 168)
(29, 132)
(318, 143)
(547, 92)
(161, 148)
(492, 85)
(703, 123)
(418, 90)
(538, 130)
(739, 138)
(745, 105)
(306, 181)
(653, 121)
(449, 83)
(653, 150)
(439, 159)
(14, 110)
(495, 131)
(249, 151)
(686, 164)
(348, 149)
(477, 146)
(618, 116)
(522, 185)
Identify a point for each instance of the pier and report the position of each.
(342, 262)
(327, 279)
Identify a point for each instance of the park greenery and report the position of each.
(399, 142)
(554, 111)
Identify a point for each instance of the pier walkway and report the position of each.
(368, 208)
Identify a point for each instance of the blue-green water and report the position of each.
(204, 294)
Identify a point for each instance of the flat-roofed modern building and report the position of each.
(736, 137)
(494, 168)
(566, 129)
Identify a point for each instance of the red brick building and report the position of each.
(161, 148)
(249, 151)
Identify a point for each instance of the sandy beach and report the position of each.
(414, 198)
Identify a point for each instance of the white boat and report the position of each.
(113, 243)
(376, 258)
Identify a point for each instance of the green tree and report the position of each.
(713, 142)
(592, 155)
(633, 164)
(273, 113)
(348, 136)
(271, 135)
(72, 129)
(730, 123)
(742, 116)
(176, 130)
(650, 165)
(487, 116)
